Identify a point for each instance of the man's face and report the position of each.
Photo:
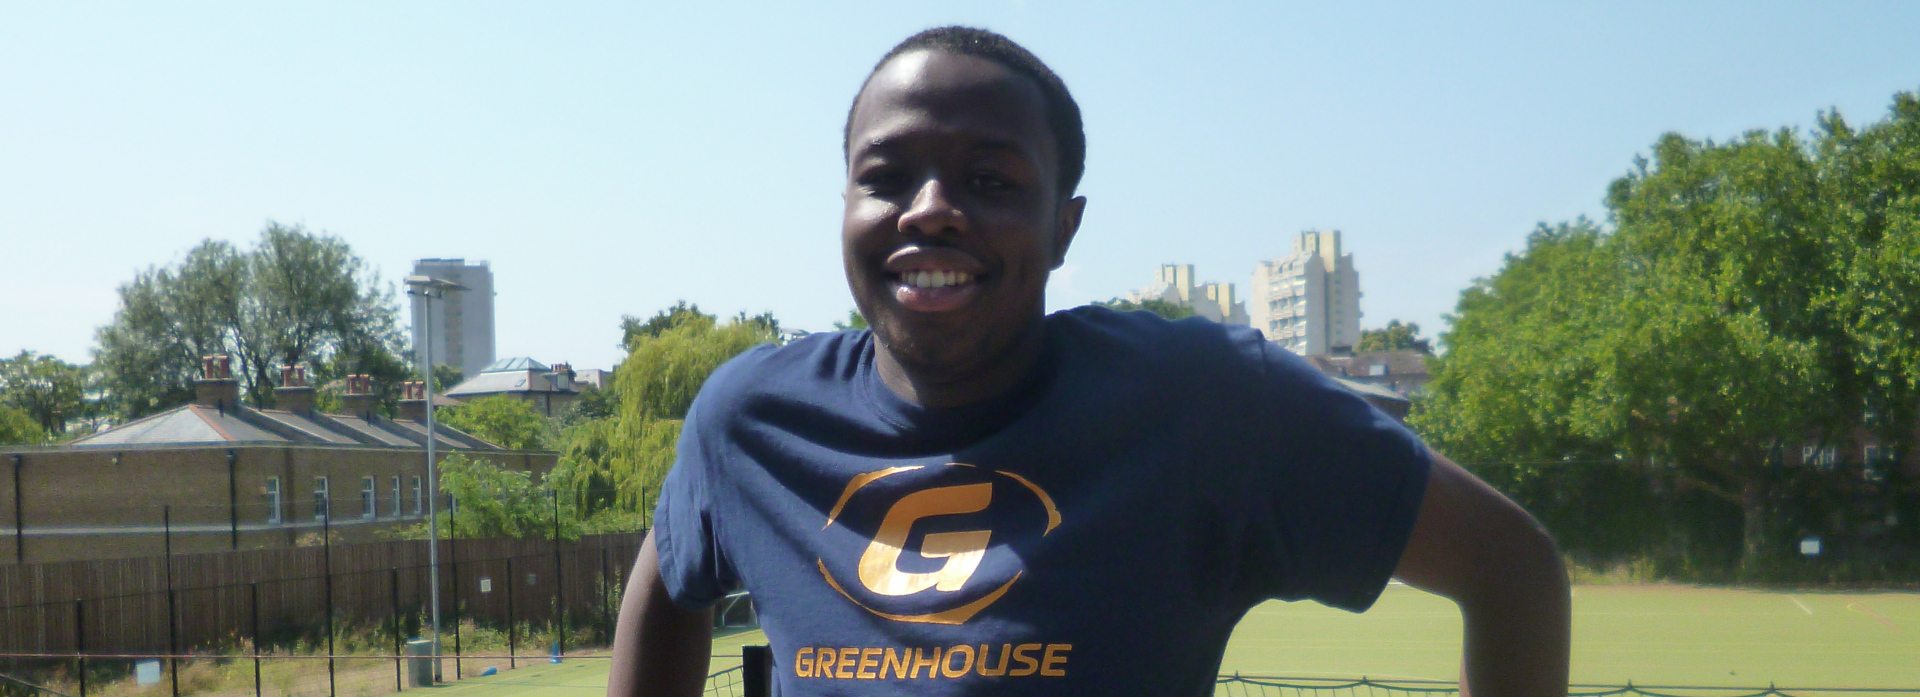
(954, 214)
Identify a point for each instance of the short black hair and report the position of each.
(1063, 114)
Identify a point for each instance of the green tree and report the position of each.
(614, 466)
(501, 420)
(446, 377)
(633, 329)
(1394, 337)
(594, 404)
(295, 298)
(44, 387)
(1156, 306)
(17, 427)
(490, 500)
(855, 320)
(1751, 294)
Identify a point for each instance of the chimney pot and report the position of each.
(216, 387)
(359, 400)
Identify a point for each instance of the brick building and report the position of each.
(220, 475)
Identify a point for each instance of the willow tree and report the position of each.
(617, 464)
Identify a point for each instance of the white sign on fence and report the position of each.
(486, 585)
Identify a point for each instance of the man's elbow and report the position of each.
(1520, 564)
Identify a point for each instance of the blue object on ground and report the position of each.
(147, 672)
(555, 657)
(490, 671)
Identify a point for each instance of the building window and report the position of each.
(1376, 369)
(396, 496)
(1871, 455)
(320, 499)
(271, 492)
(369, 507)
(419, 503)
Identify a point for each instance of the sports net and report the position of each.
(1261, 686)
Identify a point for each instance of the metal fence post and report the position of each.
(393, 576)
(453, 567)
(173, 601)
(326, 547)
(253, 603)
(80, 642)
(512, 629)
(559, 585)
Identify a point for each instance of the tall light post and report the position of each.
(429, 289)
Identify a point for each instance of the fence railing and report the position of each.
(323, 620)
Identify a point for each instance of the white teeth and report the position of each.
(935, 279)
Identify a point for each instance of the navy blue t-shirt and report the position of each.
(1099, 530)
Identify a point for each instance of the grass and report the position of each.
(1649, 634)
(1652, 635)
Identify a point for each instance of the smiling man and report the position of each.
(978, 498)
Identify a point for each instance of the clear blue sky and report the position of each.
(611, 158)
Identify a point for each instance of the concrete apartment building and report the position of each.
(1214, 301)
(463, 320)
(1309, 300)
(225, 476)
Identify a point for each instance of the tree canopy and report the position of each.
(17, 427)
(48, 390)
(1394, 337)
(611, 468)
(296, 297)
(501, 420)
(1749, 295)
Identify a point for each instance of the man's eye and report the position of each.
(883, 182)
(985, 181)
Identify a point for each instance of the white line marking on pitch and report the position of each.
(1803, 606)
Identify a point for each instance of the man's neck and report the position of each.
(943, 387)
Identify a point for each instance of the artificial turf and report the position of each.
(1650, 635)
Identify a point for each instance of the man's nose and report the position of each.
(933, 212)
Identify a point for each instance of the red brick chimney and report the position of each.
(413, 401)
(294, 394)
(359, 400)
(216, 387)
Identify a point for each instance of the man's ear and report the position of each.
(1070, 213)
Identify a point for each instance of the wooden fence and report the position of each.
(122, 606)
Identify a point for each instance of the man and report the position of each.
(978, 498)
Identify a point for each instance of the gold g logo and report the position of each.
(960, 552)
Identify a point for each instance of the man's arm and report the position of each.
(1479, 549)
(659, 648)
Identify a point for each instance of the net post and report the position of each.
(80, 642)
(173, 600)
(393, 586)
(756, 670)
(253, 603)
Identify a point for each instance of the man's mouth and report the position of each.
(934, 290)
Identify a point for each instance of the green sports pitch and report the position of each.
(1649, 635)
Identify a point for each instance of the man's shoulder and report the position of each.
(811, 363)
(1143, 337)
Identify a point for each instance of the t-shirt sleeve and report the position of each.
(684, 522)
(1337, 485)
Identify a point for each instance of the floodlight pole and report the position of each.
(429, 289)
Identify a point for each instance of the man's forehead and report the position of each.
(947, 94)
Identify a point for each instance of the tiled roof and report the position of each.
(195, 424)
